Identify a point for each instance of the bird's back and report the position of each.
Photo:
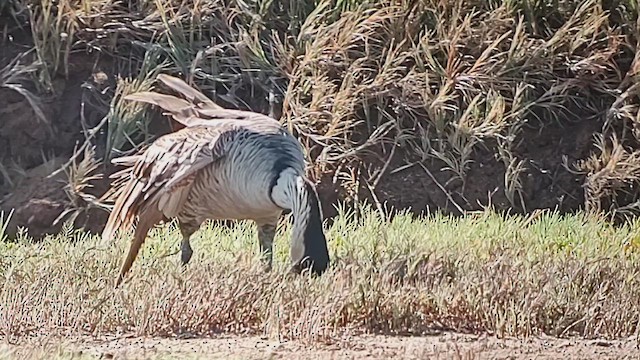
(239, 185)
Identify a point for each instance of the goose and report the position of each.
(220, 164)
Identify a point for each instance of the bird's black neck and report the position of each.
(309, 221)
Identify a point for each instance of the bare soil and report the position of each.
(439, 346)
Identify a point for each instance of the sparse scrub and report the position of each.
(373, 88)
(485, 272)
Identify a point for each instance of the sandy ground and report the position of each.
(443, 346)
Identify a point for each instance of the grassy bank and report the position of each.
(559, 275)
(521, 104)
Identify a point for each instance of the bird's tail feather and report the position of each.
(149, 217)
(129, 205)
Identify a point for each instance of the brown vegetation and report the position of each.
(505, 276)
(426, 104)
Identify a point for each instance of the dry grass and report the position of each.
(484, 272)
(425, 81)
(49, 351)
(438, 78)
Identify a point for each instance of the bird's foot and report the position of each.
(266, 267)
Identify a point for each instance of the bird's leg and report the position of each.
(266, 234)
(187, 229)
(187, 252)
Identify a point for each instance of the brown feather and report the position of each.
(196, 110)
(119, 212)
(184, 111)
(179, 109)
(126, 160)
(190, 115)
(187, 91)
(150, 217)
(159, 181)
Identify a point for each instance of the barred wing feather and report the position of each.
(160, 181)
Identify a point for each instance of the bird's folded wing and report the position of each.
(172, 160)
(164, 173)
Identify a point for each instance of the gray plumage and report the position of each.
(225, 164)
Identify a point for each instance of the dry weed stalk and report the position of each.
(358, 78)
(557, 275)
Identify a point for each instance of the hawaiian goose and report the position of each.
(224, 164)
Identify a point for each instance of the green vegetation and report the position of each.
(552, 274)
